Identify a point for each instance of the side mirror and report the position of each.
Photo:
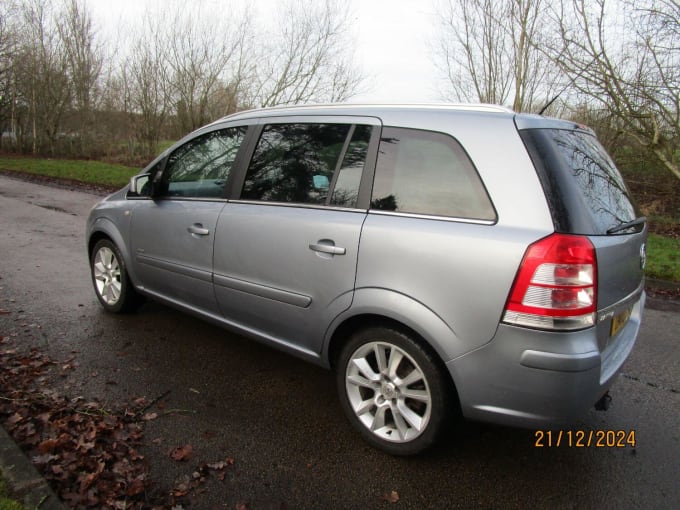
(140, 186)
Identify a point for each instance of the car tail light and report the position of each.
(556, 285)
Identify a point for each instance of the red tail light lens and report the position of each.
(556, 285)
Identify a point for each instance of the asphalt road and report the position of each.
(279, 418)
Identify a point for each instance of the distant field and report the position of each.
(91, 172)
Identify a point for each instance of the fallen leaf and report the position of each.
(150, 416)
(135, 487)
(140, 401)
(181, 453)
(44, 459)
(392, 497)
(47, 446)
(14, 419)
(223, 464)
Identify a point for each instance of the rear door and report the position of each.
(286, 249)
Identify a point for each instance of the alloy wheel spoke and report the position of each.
(410, 416)
(399, 421)
(380, 357)
(115, 290)
(415, 376)
(395, 359)
(99, 268)
(419, 395)
(379, 418)
(364, 406)
(362, 365)
(106, 255)
(359, 380)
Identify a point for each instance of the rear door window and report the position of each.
(425, 172)
(308, 163)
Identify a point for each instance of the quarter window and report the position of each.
(424, 172)
(297, 163)
(200, 167)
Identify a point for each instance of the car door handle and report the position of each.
(331, 249)
(197, 229)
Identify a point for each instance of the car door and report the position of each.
(286, 248)
(172, 234)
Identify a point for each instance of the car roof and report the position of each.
(363, 109)
(391, 113)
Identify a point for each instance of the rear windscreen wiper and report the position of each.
(637, 222)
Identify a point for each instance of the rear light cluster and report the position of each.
(556, 285)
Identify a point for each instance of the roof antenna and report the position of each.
(571, 82)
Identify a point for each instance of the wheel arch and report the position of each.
(397, 312)
(103, 228)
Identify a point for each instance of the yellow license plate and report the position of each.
(619, 321)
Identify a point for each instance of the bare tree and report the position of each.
(489, 51)
(205, 58)
(41, 75)
(308, 58)
(85, 60)
(145, 81)
(8, 48)
(625, 57)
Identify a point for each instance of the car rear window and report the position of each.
(584, 189)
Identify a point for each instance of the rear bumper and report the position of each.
(532, 378)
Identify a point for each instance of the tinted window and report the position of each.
(586, 192)
(427, 173)
(200, 167)
(295, 162)
(597, 177)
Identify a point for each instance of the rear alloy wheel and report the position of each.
(109, 276)
(392, 390)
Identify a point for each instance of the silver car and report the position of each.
(443, 260)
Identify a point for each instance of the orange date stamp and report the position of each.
(584, 438)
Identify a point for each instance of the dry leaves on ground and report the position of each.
(89, 454)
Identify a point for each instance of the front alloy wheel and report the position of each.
(392, 390)
(110, 279)
(106, 273)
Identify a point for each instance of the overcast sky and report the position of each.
(393, 43)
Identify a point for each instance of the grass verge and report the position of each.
(91, 172)
(6, 502)
(663, 258)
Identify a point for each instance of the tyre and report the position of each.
(393, 390)
(110, 279)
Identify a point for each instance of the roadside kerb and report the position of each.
(26, 484)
